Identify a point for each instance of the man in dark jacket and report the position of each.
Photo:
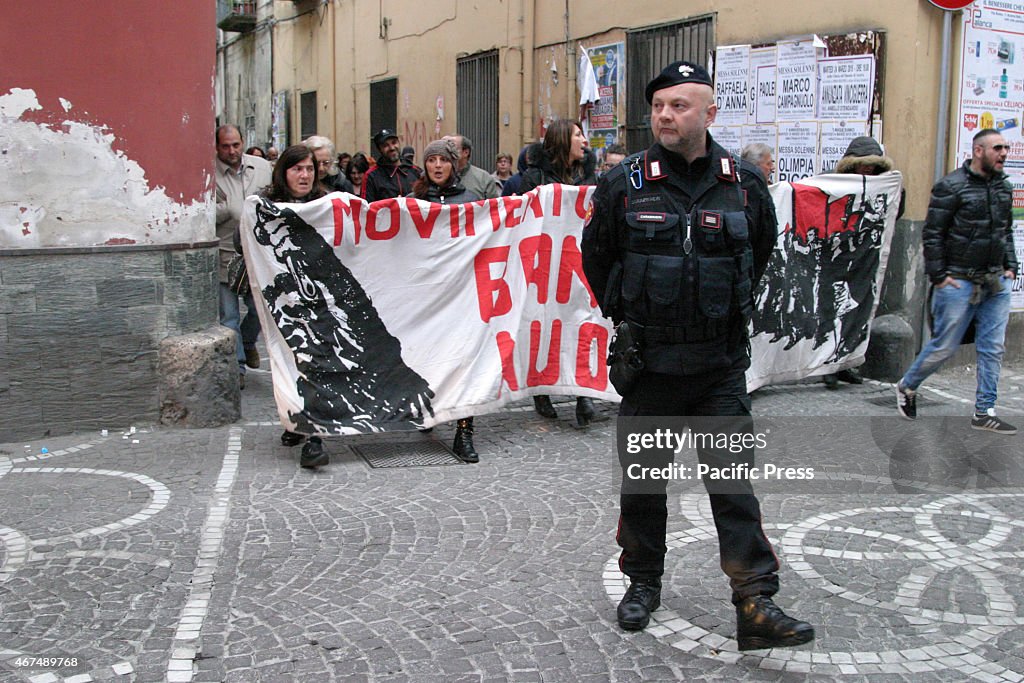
(970, 259)
(678, 238)
(392, 177)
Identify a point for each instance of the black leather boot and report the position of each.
(585, 411)
(850, 376)
(313, 453)
(542, 404)
(463, 445)
(642, 597)
(760, 624)
(291, 439)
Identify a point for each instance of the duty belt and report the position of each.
(709, 331)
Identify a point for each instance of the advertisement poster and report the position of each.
(1017, 293)
(845, 87)
(835, 138)
(798, 151)
(604, 117)
(732, 65)
(992, 77)
(761, 103)
(796, 90)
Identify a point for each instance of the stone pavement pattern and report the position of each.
(209, 555)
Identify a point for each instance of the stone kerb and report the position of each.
(199, 379)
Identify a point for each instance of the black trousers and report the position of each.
(746, 555)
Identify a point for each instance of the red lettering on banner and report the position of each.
(556, 203)
(424, 226)
(467, 221)
(533, 197)
(495, 216)
(507, 350)
(342, 209)
(391, 206)
(511, 204)
(590, 333)
(535, 253)
(493, 295)
(581, 203)
(571, 263)
(535, 377)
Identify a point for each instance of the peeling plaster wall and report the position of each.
(106, 123)
(68, 186)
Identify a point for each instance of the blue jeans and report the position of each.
(247, 329)
(952, 313)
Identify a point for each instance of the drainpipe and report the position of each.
(941, 143)
(529, 38)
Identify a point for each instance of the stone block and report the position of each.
(891, 349)
(126, 292)
(198, 379)
(60, 295)
(67, 323)
(17, 299)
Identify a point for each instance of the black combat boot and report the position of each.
(542, 404)
(313, 453)
(585, 411)
(642, 597)
(463, 445)
(761, 624)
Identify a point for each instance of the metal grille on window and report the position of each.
(476, 84)
(650, 50)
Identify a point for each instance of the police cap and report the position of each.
(676, 73)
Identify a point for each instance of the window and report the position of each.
(383, 106)
(476, 88)
(307, 114)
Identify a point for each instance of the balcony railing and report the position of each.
(236, 15)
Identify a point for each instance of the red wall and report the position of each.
(142, 69)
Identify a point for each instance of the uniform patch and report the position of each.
(655, 168)
(711, 220)
(647, 199)
(651, 217)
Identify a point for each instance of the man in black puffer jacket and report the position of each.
(969, 257)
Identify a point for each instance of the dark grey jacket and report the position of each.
(969, 227)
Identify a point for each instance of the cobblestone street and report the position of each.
(209, 555)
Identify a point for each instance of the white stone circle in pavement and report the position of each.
(932, 550)
(18, 547)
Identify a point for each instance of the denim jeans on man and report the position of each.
(247, 329)
(952, 312)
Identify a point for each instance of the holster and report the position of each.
(624, 360)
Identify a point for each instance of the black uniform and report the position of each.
(675, 249)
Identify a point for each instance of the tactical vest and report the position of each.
(686, 275)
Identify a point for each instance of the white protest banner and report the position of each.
(798, 150)
(845, 87)
(732, 65)
(405, 311)
(814, 305)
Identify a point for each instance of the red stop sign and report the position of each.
(951, 4)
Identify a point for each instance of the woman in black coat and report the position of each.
(565, 158)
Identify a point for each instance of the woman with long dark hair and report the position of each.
(358, 166)
(440, 184)
(296, 179)
(562, 158)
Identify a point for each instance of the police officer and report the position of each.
(679, 236)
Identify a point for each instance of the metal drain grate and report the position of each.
(889, 400)
(406, 454)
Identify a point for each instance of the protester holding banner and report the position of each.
(863, 156)
(296, 179)
(440, 184)
(562, 158)
(673, 248)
